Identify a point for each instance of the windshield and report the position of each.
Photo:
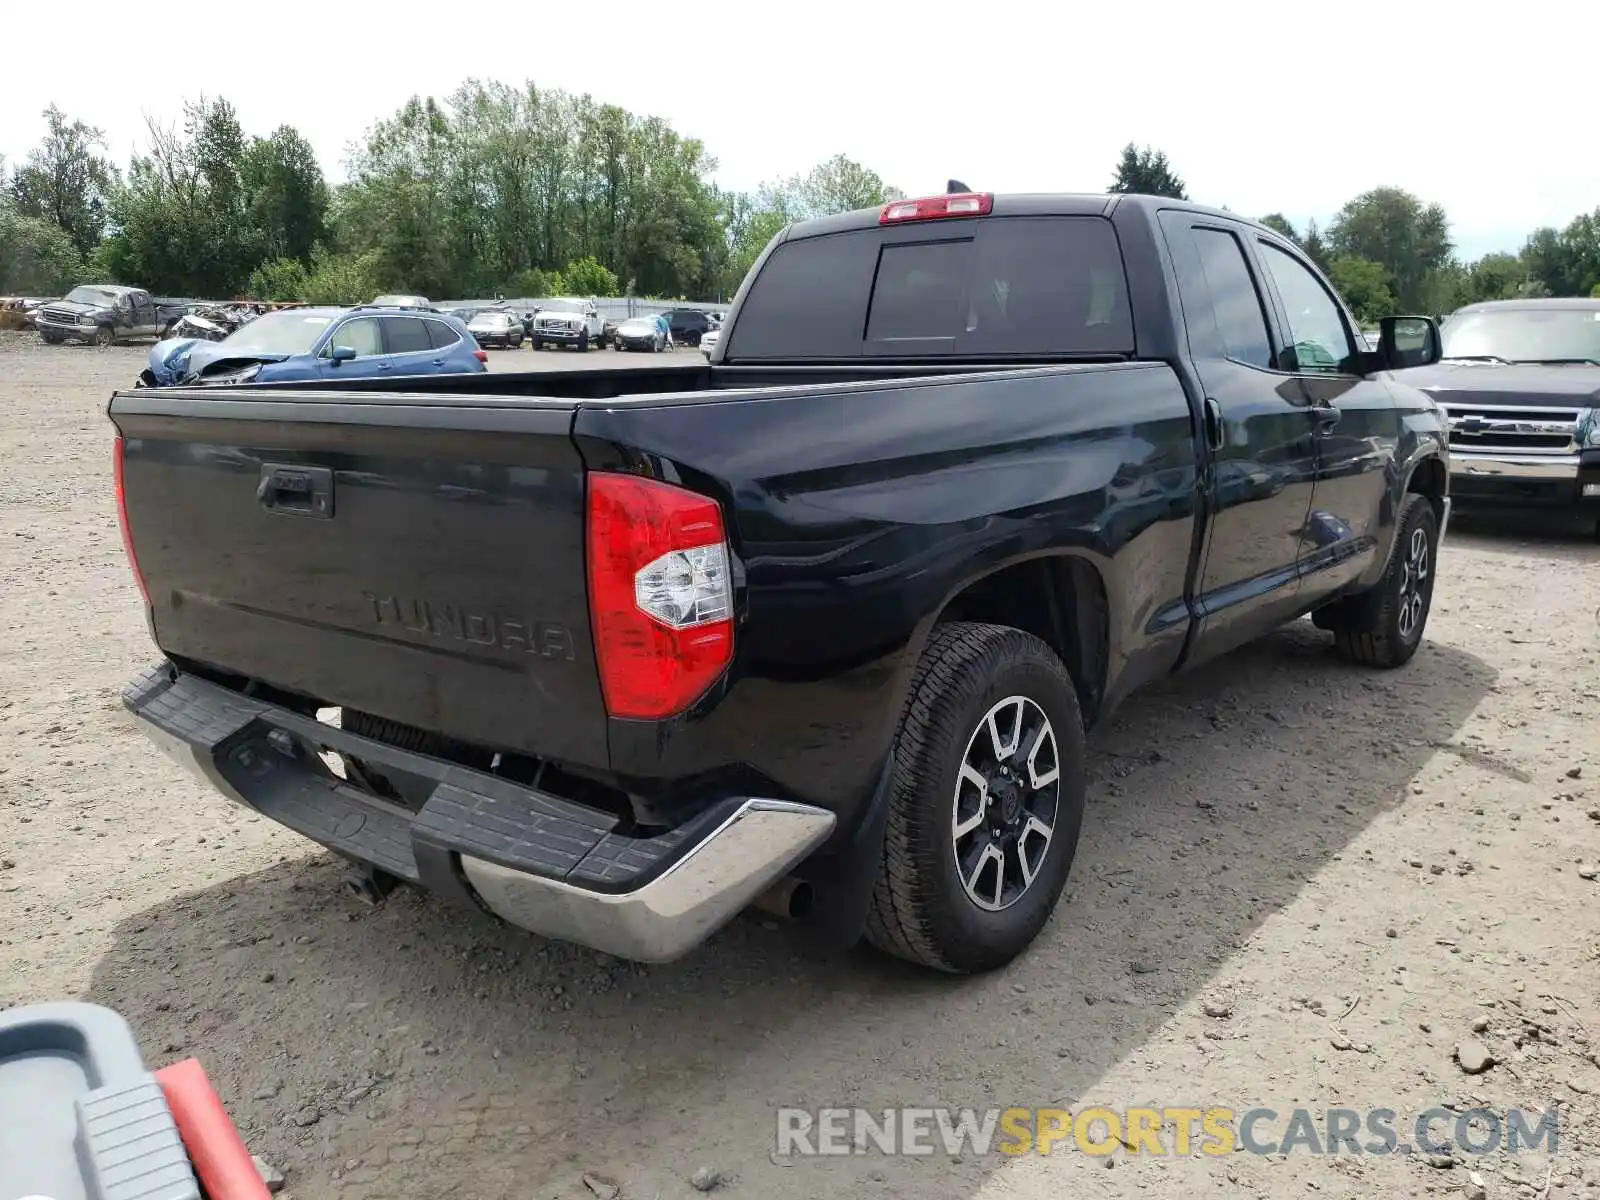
(1524, 334)
(279, 333)
(91, 295)
(638, 323)
(400, 302)
(490, 319)
(562, 306)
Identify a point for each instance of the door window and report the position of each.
(405, 335)
(1320, 341)
(440, 335)
(1235, 303)
(360, 334)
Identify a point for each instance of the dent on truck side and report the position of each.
(858, 514)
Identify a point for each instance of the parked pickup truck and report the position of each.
(103, 313)
(817, 625)
(1520, 386)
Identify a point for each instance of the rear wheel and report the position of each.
(985, 803)
(1383, 627)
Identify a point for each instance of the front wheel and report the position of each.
(583, 342)
(104, 336)
(1383, 627)
(985, 802)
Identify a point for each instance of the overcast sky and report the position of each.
(1261, 106)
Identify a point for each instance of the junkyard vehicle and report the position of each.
(102, 313)
(401, 302)
(305, 344)
(822, 622)
(1520, 384)
(688, 325)
(709, 340)
(496, 327)
(568, 322)
(640, 333)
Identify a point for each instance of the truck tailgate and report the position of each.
(421, 561)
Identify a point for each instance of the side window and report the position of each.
(405, 335)
(440, 335)
(1241, 320)
(360, 334)
(1321, 341)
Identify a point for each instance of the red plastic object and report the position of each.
(648, 671)
(218, 1153)
(934, 208)
(122, 519)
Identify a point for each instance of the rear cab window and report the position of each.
(993, 287)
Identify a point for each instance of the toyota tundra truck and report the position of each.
(818, 625)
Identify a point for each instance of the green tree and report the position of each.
(1146, 172)
(587, 277)
(1364, 285)
(1496, 277)
(286, 196)
(67, 181)
(1565, 263)
(1409, 239)
(181, 219)
(1280, 223)
(36, 256)
(842, 185)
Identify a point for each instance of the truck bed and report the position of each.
(443, 587)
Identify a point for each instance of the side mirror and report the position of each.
(342, 354)
(1408, 342)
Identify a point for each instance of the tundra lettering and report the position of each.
(543, 638)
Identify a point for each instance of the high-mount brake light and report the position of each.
(660, 594)
(933, 208)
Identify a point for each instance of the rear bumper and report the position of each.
(1533, 481)
(536, 860)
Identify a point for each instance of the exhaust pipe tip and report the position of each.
(789, 898)
(371, 887)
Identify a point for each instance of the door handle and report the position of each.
(294, 490)
(1326, 415)
(1215, 430)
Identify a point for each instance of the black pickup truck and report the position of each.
(818, 624)
(1519, 384)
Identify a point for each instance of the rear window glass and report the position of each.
(440, 335)
(1007, 285)
(406, 334)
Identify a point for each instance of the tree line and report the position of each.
(527, 191)
(495, 190)
(1388, 252)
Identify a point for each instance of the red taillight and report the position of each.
(933, 208)
(481, 355)
(122, 518)
(660, 594)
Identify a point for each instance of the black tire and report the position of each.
(921, 910)
(104, 335)
(583, 342)
(1384, 627)
(52, 339)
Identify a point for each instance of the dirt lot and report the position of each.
(1346, 869)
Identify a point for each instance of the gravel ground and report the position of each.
(1301, 884)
